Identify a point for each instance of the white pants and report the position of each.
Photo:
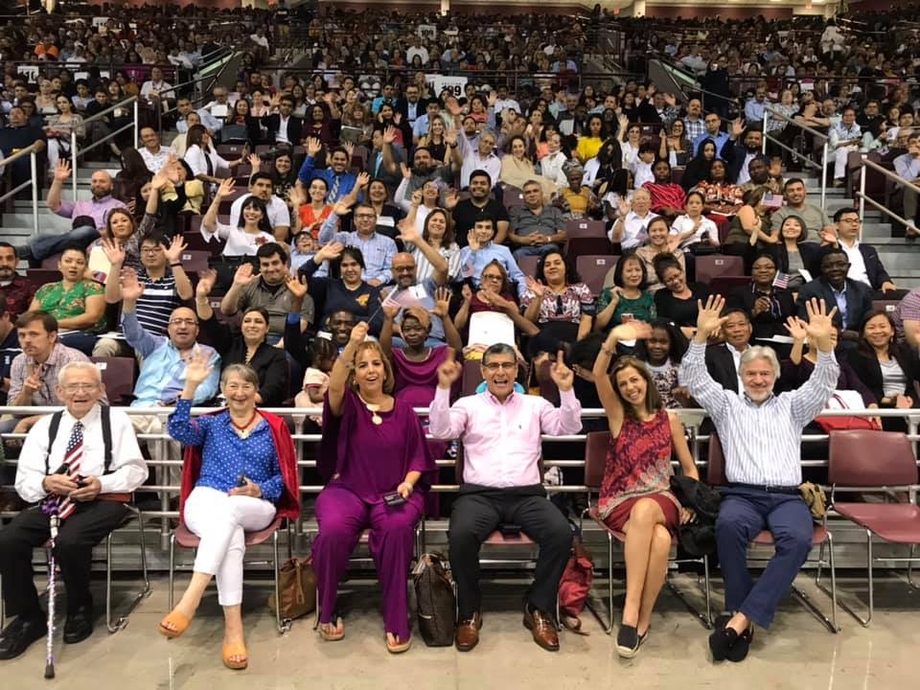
(840, 160)
(220, 521)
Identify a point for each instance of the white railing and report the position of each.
(888, 175)
(31, 151)
(822, 172)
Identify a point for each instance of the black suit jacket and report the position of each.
(874, 268)
(721, 366)
(392, 180)
(859, 301)
(809, 251)
(733, 153)
(294, 129)
(402, 107)
(869, 371)
(766, 324)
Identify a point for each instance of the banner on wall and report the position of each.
(438, 82)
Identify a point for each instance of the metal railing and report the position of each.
(31, 151)
(202, 94)
(75, 153)
(888, 175)
(822, 168)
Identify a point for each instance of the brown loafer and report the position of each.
(542, 628)
(466, 636)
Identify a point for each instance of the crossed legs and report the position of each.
(648, 544)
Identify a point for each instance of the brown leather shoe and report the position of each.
(542, 628)
(466, 636)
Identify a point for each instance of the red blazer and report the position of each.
(288, 504)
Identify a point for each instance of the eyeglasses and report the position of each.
(183, 322)
(82, 387)
(503, 366)
(492, 276)
(151, 250)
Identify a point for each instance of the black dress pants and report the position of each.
(77, 535)
(478, 511)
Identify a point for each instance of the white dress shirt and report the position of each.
(127, 471)
(155, 161)
(857, 270)
(278, 212)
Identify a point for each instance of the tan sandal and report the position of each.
(333, 631)
(235, 649)
(397, 647)
(178, 621)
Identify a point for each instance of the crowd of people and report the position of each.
(370, 240)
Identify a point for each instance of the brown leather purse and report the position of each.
(297, 585)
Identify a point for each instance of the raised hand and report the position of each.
(206, 281)
(330, 252)
(623, 206)
(535, 286)
(441, 302)
(226, 188)
(450, 371)
(62, 171)
(114, 252)
(197, 367)
(632, 330)
(451, 199)
(454, 107)
(738, 127)
(450, 137)
(255, 162)
(33, 382)
(404, 169)
(390, 310)
(314, 146)
(466, 293)
(358, 334)
(820, 324)
(131, 288)
(244, 275)
(160, 180)
(389, 135)
(175, 249)
(417, 197)
(796, 328)
(296, 286)
(341, 208)
(709, 319)
(473, 242)
(363, 180)
(408, 232)
(492, 99)
(561, 375)
(297, 195)
(349, 149)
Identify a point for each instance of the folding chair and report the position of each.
(876, 461)
(512, 196)
(195, 260)
(528, 265)
(185, 539)
(886, 305)
(42, 276)
(716, 477)
(596, 445)
(593, 270)
(717, 266)
(50, 263)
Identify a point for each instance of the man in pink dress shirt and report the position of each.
(502, 484)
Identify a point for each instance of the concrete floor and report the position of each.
(798, 652)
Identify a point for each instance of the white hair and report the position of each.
(760, 352)
(77, 366)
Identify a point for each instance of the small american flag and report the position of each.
(781, 280)
(73, 454)
(406, 298)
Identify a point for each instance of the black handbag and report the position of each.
(436, 603)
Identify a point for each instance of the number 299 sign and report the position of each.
(438, 82)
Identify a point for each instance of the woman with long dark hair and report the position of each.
(253, 230)
(203, 158)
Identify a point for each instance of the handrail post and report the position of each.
(763, 139)
(136, 118)
(73, 162)
(33, 162)
(824, 176)
(862, 196)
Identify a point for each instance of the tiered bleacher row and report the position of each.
(453, 183)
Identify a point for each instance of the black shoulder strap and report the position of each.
(105, 414)
(52, 434)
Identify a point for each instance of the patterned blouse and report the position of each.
(570, 306)
(638, 462)
(62, 303)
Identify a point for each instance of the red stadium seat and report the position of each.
(717, 266)
(593, 270)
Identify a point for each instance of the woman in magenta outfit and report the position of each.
(635, 496)
(373, 447)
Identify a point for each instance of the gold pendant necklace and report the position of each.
(374, 409)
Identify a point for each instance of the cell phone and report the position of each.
(626, 318)
(393, 499)
(81, 481)
(241, 480)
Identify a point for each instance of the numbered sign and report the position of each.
(438, 82)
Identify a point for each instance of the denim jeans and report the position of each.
(43, 246)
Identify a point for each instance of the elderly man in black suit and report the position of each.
(852, 298)
(723, 360)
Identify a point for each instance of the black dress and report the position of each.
(682, 312)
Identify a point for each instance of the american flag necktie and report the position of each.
(73, 456)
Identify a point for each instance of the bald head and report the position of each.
(404, 270)
(101, 184)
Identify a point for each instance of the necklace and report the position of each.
(243, 430)
(374, 409)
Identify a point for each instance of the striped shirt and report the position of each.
(157, 303)
(762, 442)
